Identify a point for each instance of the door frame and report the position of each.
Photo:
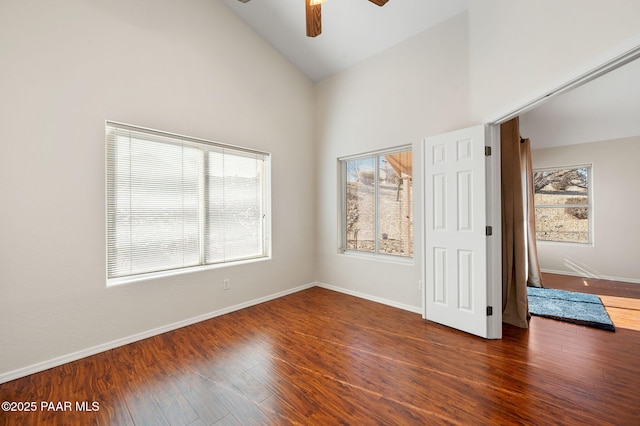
(494, 242)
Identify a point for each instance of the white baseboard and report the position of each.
(371, 298)
(598, 277)
(45, 365)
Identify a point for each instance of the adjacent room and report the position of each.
(588, 137)
(215, 211)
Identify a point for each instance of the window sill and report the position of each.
(377, 257)
(116, 282)
(565, 243)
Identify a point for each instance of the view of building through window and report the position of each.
(563, 204)
(378, 203)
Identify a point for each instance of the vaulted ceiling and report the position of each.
(352, 30)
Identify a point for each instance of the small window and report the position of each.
(563, 204)
(175, 202)
(377, 203)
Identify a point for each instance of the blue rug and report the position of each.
(578, 308)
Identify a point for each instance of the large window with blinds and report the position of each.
(177, 203)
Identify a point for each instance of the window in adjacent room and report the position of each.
(563, 204)
(175, 202)
(377, 203)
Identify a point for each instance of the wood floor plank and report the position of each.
(228, 420)
(175, 407)
(144, 409)
(208, 407)
(239, 405)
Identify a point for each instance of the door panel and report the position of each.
(455, 220)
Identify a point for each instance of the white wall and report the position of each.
(519, 49)
(415, 89)
(188, 67)
(616, 230)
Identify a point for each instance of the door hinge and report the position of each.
(489, 311)
(487, 151)
(489, 230)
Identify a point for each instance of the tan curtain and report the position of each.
(534, 277)
(519, 254)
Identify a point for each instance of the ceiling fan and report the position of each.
(314, 15)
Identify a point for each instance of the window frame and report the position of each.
(342, 219)
(589, 205)
(205, 147)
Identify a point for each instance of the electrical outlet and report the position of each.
(226, 283)
(420, 285)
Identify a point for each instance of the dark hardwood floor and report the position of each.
(319, 357)
(592, 285)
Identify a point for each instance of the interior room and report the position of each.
(307, 331)
(594, 124)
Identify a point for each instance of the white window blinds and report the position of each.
(175, 202)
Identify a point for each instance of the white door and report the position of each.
(455, 246)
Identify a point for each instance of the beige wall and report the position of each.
(616, 230)
(189, 67)
(415, 89)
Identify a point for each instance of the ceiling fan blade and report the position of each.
(314, 19)
(378, 2)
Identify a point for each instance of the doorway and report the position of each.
(493, 287)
